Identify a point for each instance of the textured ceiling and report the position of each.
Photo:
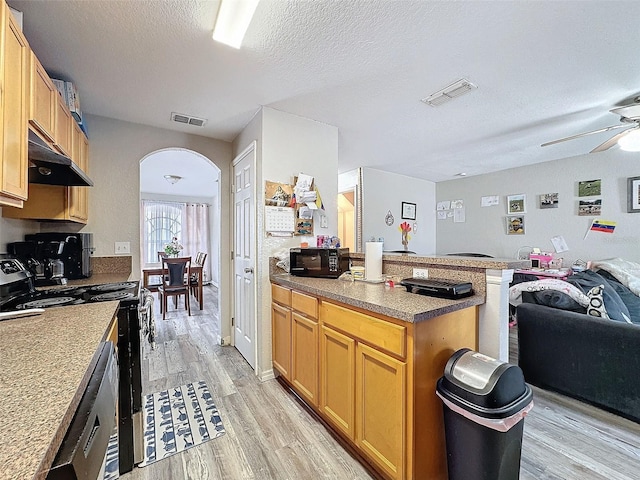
(544, 70)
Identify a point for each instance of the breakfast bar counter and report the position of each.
(393, 302)
(45, 365)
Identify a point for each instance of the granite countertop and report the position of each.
(393, 302)
(45, 365)
(100, 278)
(487, 263)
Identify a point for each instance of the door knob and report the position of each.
(248, 270)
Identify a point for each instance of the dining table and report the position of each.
(156, 271)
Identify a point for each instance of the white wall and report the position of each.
(13, 230)
(287, 145)
(484, 230)
(383, 192)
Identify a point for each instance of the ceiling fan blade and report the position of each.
(613, 127)
(612, 141)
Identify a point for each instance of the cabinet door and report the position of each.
(78, 196)
(14, 86)
(63, 127)
(281, 339)
(304, 357)
(42, 105)
(337, 380)
(381, 409)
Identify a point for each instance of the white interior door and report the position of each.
(244, 251)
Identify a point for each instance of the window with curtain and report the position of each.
(188, 222)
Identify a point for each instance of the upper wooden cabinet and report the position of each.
(63, 127)
(78, 198)
(42, 106)
(14, 96)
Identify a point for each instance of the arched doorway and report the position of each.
(180, 197)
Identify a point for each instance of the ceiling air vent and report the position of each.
(449, 93)
(188, 120)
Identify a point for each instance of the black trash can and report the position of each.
(485, 401)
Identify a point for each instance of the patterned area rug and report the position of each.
(178, 419)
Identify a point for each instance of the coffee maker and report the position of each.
(75, 255)
(43, 260)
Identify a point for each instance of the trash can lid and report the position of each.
(483, 381)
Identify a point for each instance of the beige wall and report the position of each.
(286, 146)
(484, 229)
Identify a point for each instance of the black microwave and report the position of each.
(318, 262)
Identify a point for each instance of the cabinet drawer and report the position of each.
(281, 295)
(304, 304)
(378, 333)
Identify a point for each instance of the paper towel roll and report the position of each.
(373, 261)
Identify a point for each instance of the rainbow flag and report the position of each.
(605, 226)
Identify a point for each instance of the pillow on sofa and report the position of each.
(585, 281)
(631, 300)
(554, 299)
(596, 302)
(515, 292)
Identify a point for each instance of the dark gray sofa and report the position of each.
(594, 360)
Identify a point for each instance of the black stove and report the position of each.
(126, 292)
(18, 292)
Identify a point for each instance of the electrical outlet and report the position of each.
(420, 273)
(123, 248)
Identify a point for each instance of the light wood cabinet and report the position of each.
(281, 339)
(379, 404)
(78, 197)
(380, 409)
(43, 99)
(295, 340)
(14, 97)
(337, 380)
(304, 346)
(63, 127)
(376, 376)
(53, 202)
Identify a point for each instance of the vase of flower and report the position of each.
(405, 228)
(173, 248)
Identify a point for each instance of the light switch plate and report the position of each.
(323, 221)
(123, 248)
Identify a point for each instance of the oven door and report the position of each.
(83, 450)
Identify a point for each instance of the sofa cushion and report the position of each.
(554, 299)
(575, 293)
(631, 300)
(614, 305)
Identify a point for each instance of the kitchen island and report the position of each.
(45, 365)
(366, 358)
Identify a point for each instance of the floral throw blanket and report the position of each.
(626, 272)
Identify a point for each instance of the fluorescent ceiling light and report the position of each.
(454, 90)
(234, 17)
(631, 141)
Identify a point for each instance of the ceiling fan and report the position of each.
(628, 139)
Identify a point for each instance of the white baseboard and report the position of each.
(223, 341)
(267, 375)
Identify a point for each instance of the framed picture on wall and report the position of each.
(633, 195)
(516, 204)
(408, 211)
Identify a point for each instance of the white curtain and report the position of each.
(161, 222)
(195, 233)
(188, 222)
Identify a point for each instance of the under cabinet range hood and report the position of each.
(52, 168)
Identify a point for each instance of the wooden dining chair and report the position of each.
(201, 257)
(175, 275)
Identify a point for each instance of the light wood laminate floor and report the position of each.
(270, 437)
